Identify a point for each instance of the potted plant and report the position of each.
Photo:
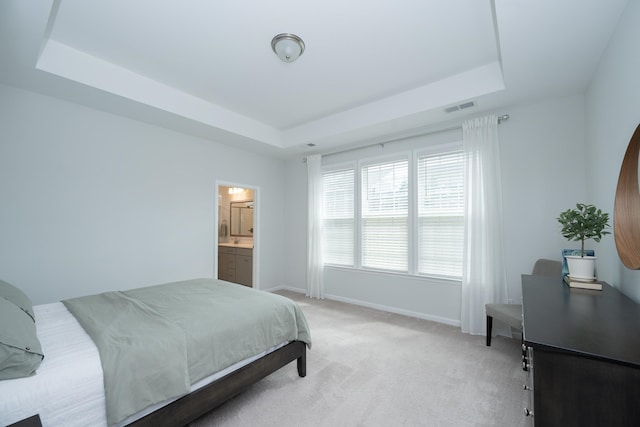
(579, 224)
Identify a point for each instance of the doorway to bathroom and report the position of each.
(236, 234)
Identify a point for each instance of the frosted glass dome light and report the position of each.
(287, 46)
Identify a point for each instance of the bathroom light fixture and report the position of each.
(287, 46)
(236, 190)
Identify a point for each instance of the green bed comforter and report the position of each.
(155, 342)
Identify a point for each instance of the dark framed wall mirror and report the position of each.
(626, 212)
(242, 218)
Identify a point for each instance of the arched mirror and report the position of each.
(626, 213)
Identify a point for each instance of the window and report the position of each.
(385, 212)
(403, 214)
(440, 214)
(338, 217)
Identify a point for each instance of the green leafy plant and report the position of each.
(584, 222)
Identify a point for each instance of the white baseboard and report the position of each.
(446, 321)
(285, 288)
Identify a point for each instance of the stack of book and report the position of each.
(575, 282)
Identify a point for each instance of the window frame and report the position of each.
(411, 155)
(353, 165)
(389, 158)
(427, 151)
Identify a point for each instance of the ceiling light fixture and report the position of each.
(236, 190)
(287, 46)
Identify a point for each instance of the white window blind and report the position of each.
(441, 214)
(339, 189)
(385, 215)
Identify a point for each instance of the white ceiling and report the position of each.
(370, 69)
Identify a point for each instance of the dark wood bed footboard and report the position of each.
(203, 400)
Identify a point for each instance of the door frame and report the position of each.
(256, 227)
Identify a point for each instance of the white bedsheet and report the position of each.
(68, 389)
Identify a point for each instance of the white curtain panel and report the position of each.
(315, 280)
(483, 272)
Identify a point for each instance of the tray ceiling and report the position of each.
(369, 68)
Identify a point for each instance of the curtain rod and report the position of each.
(501, 119)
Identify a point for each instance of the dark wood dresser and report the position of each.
(33, 421)
(583, 354)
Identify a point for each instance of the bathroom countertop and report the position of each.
(237, 245)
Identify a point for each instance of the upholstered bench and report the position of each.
(511, 314)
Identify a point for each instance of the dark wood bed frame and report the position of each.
(203, 400)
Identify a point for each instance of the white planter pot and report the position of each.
(581, 267)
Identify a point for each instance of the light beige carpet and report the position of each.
(373, 368)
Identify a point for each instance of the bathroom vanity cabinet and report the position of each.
(235, 264)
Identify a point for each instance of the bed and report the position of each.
(72, 384)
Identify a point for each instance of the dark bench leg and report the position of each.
(489, 327)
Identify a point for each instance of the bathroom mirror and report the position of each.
(626, 213)
(242, 218)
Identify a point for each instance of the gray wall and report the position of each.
(554, 153)
(613, 113)
(539, 181)
(94, 202)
